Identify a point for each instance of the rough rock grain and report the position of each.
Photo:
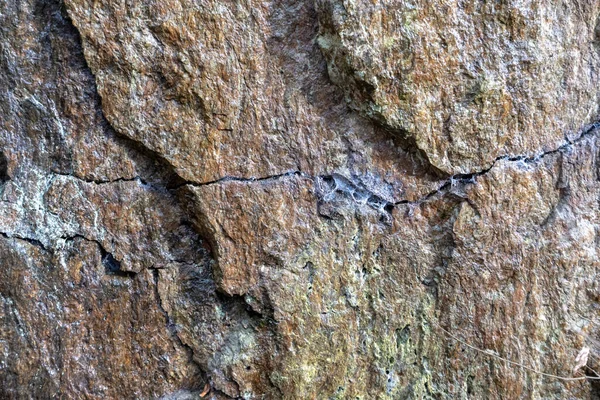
(288, 200)
(467, 82)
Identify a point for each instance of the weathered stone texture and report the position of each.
(228, 89)
(338, 200)
(467, 81)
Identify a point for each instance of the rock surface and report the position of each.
(467, 82)
(345, 199)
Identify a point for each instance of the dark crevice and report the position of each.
(4, 175)
(31, 241)
(236, 304)
(241, 179)
(111, 265)
(363, 94)
(408, 143)
(155, 172)
(594, 381)
(153, 169)
(183, 183)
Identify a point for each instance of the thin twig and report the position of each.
(489, 353)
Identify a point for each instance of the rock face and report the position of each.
(467, 81)
(292, 200)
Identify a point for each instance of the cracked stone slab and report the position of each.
(465, 82)
(397, 288)
(223, 218)
(225, 90)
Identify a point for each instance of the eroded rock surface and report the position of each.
(467, 81)
(288, 200)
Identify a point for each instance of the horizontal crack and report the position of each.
(138, 179)
(339, 184)
(31, 241)
(224, 179)
(468, 178)
(230, 178)
(102, 181)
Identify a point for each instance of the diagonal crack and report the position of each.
(111, 265)
(167, 180)
(471, 178)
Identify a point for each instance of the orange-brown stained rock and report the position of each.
(255, 226)
(233, 89)
(140, 259)
(69, 328)
(469, 81)
(526, 247)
